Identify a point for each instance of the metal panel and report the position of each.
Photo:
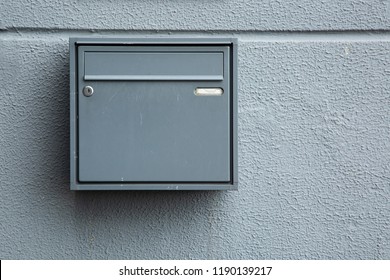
(153, 65)
(148, 129)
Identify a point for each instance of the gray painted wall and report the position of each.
(314, 135)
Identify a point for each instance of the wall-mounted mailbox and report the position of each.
(150, 114)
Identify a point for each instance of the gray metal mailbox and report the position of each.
(150, 114)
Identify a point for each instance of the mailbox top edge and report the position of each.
(151, 40)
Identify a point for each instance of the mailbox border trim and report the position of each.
(74, 43)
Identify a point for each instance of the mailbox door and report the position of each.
(157, 114)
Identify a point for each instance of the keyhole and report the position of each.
(88, 91)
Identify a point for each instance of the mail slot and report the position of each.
(153, 114)
(153, 65)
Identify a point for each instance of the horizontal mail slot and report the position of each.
(159, 66)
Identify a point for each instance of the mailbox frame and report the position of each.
(75, 43)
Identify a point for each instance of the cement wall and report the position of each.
(314, 135)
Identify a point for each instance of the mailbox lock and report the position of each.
(88, 91)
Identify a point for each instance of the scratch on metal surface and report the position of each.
(140, 119)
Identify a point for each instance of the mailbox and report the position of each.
(153, 114)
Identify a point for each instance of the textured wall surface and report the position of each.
(198, 15)
(314, 135)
